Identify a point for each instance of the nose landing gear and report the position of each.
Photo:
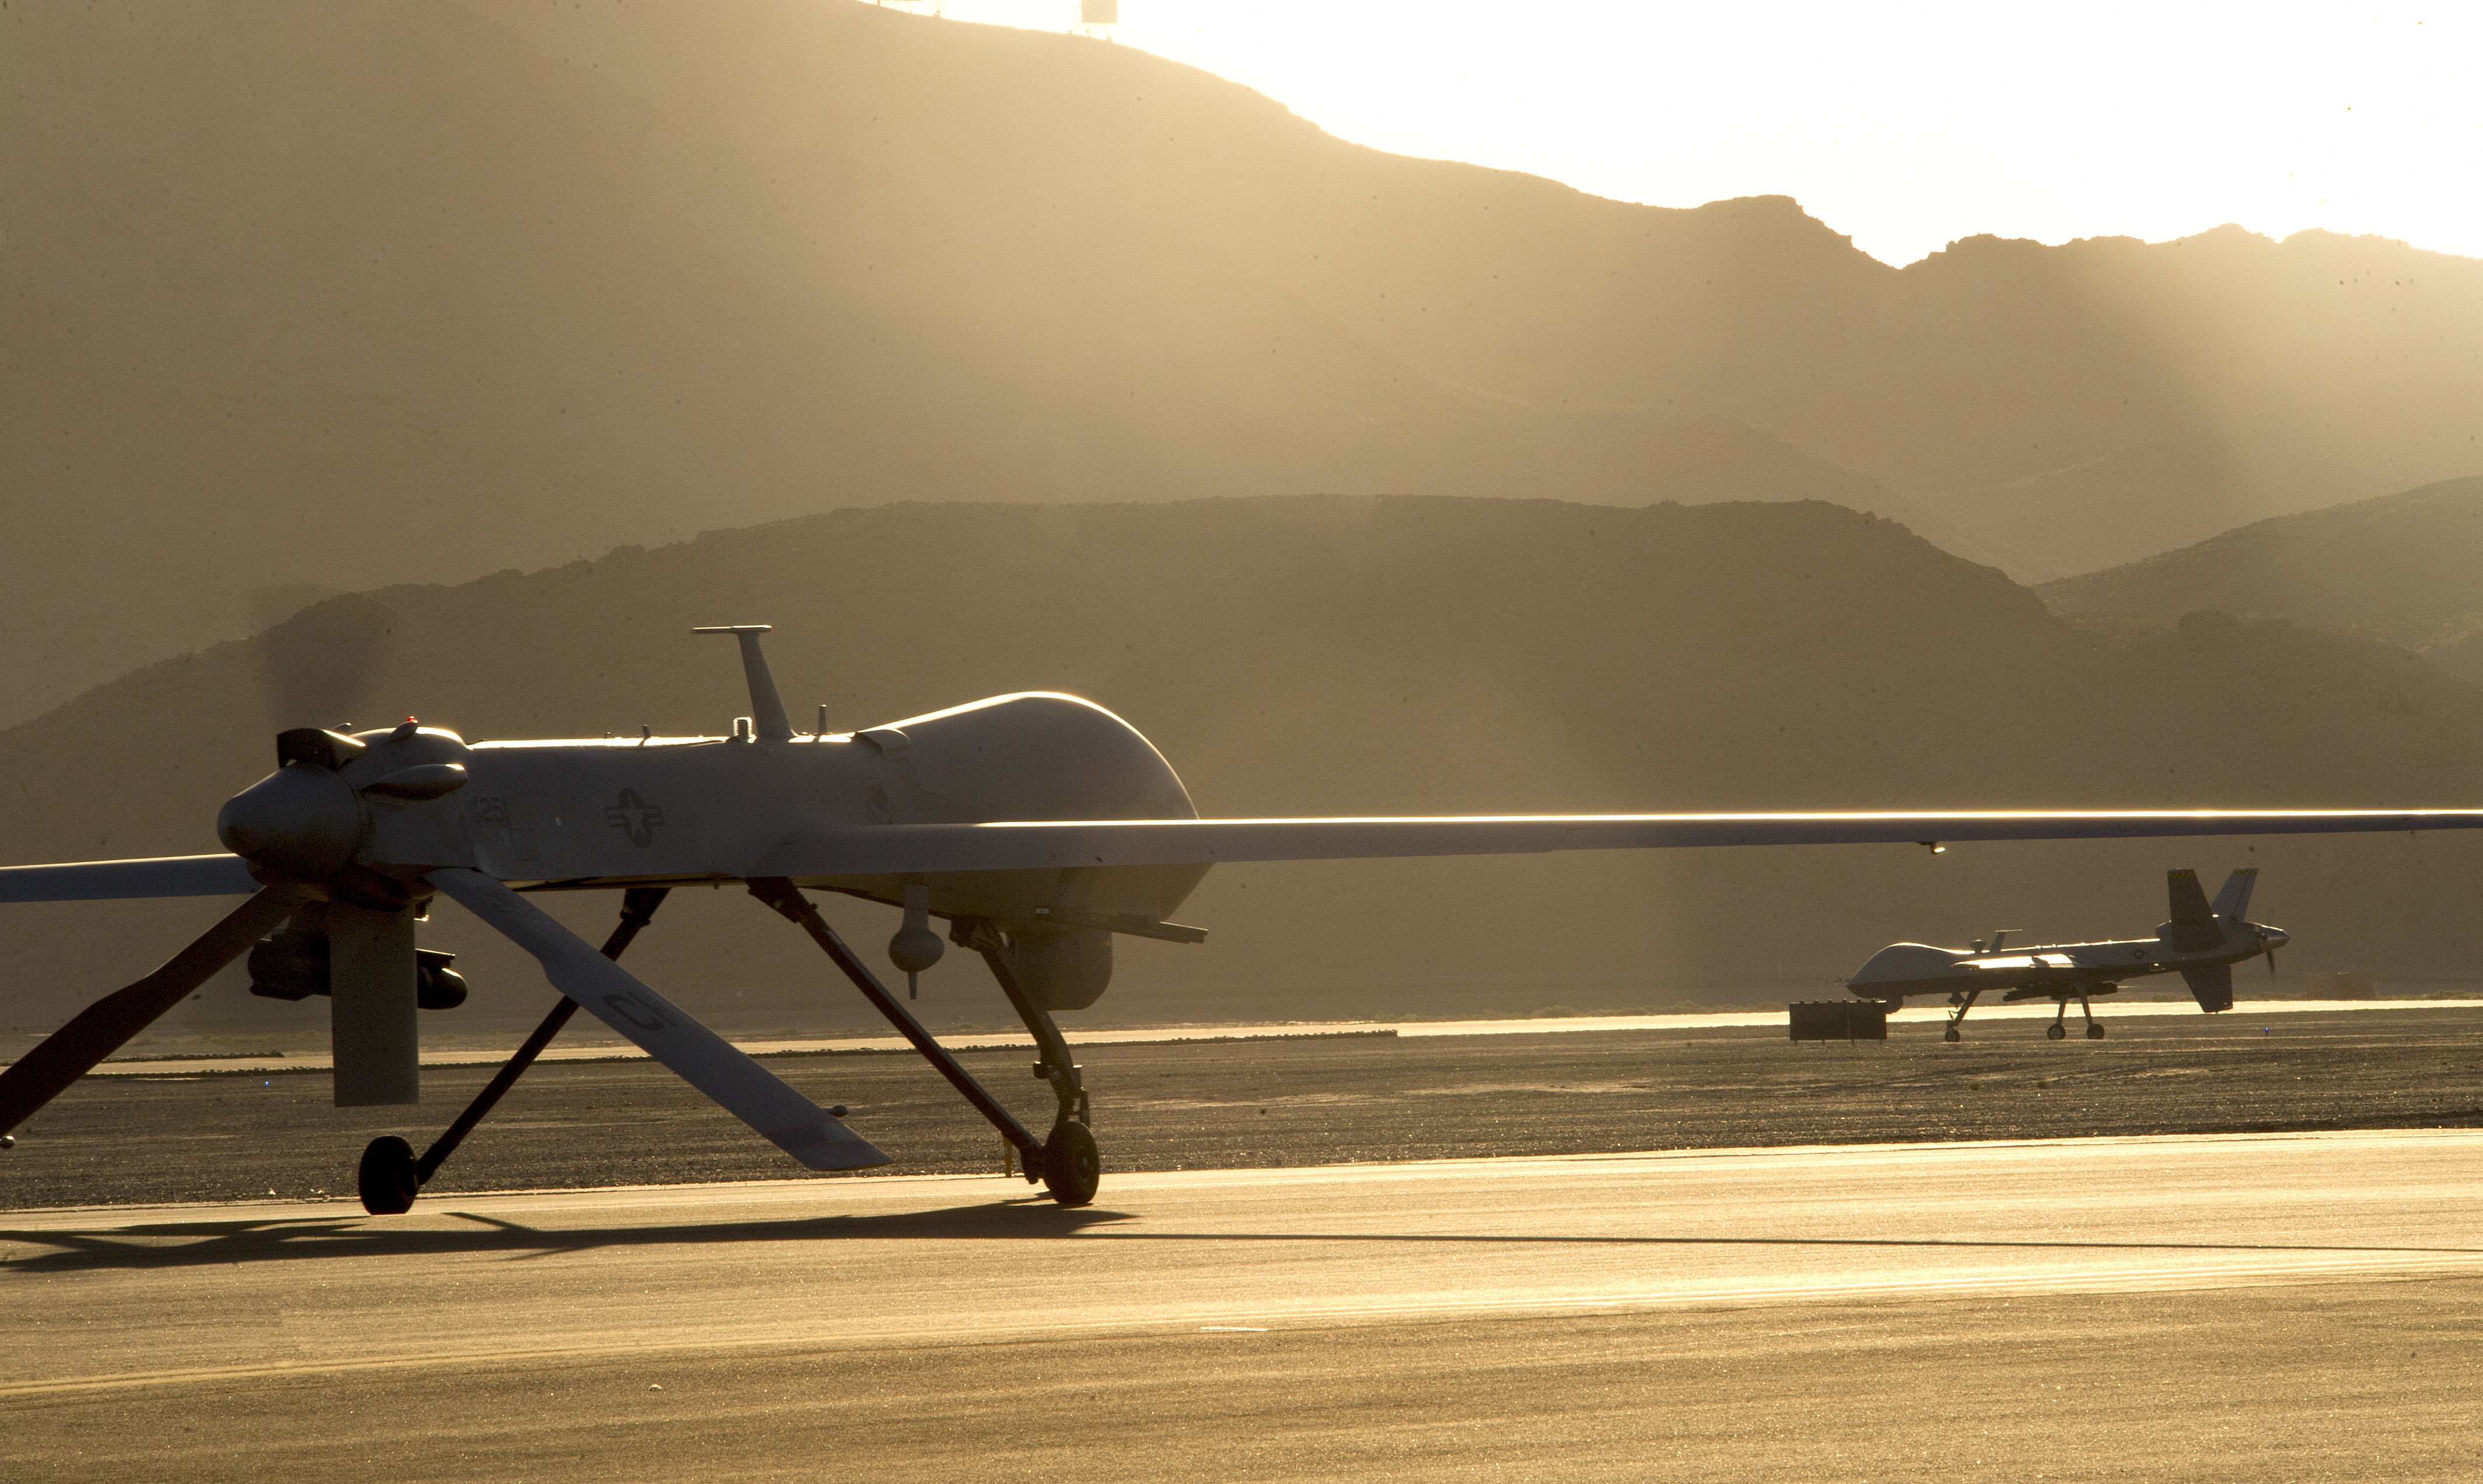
(1959, 1004)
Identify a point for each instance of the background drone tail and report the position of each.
(2212, 987)
(2234, 901)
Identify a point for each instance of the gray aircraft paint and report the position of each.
(2200, 942)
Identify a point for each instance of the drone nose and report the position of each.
(298, 823)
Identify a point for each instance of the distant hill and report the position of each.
(2404, 569)
(312, 298)
(1340, 655)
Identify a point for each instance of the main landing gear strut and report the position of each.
(2060, 994)
(1067, 1161)
(391, 1175)
(1964, 1000)
(2094, 1028)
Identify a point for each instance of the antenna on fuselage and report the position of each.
(768, 719)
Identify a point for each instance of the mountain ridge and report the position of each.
(333, 297)
(2398, 569)
(1341, 656)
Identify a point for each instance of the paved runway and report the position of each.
(2254, 1305)
(594, 1045)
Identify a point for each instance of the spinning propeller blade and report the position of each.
(703, 1059)
(106, 1025)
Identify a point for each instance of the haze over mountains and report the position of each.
(1330, 654)
(309, 297)
(2406, 570)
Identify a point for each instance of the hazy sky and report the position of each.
(1907, 125)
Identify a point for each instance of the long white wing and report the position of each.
(873, 850)
(663, 1030)
(96, 881)
(882, 849)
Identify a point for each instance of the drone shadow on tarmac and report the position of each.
(199, 1243)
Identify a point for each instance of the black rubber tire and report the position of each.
(388, 1177)
(2053, 1031)
(1949, 1034)
(1071, 1166)
(2094, 1033)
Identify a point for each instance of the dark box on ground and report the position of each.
(1839, 1020)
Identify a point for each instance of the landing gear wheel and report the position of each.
(1949, 1034)
(2095, 1033)
(2053, 1031)
(388, 1177)
(1071, 1166)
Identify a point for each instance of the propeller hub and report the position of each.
(300, 823)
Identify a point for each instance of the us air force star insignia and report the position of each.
(634, 817)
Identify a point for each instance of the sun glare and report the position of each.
(1905, 125)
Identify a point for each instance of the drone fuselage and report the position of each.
(605, 813)
(1901, 969)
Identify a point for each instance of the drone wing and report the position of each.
(1021, 846)
(1044, 845)
(96, 880)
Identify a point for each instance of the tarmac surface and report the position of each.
(2227, 1307)
(185, 1133)
(591, 1046)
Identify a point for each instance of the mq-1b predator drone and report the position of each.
(2202, 942)
(1038, 827)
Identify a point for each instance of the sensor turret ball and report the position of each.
(915, 948)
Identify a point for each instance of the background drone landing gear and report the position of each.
(2094, 1028)
(1958, 1006)
(390, 1176)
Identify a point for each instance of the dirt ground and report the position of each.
(1304, 1101)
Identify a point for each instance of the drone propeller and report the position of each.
(106, 1025)
(320, 654)
(295, 831)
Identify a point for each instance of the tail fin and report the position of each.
(2211, 987)
(2189, 901)
(2234, 901)
(2192, 927)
